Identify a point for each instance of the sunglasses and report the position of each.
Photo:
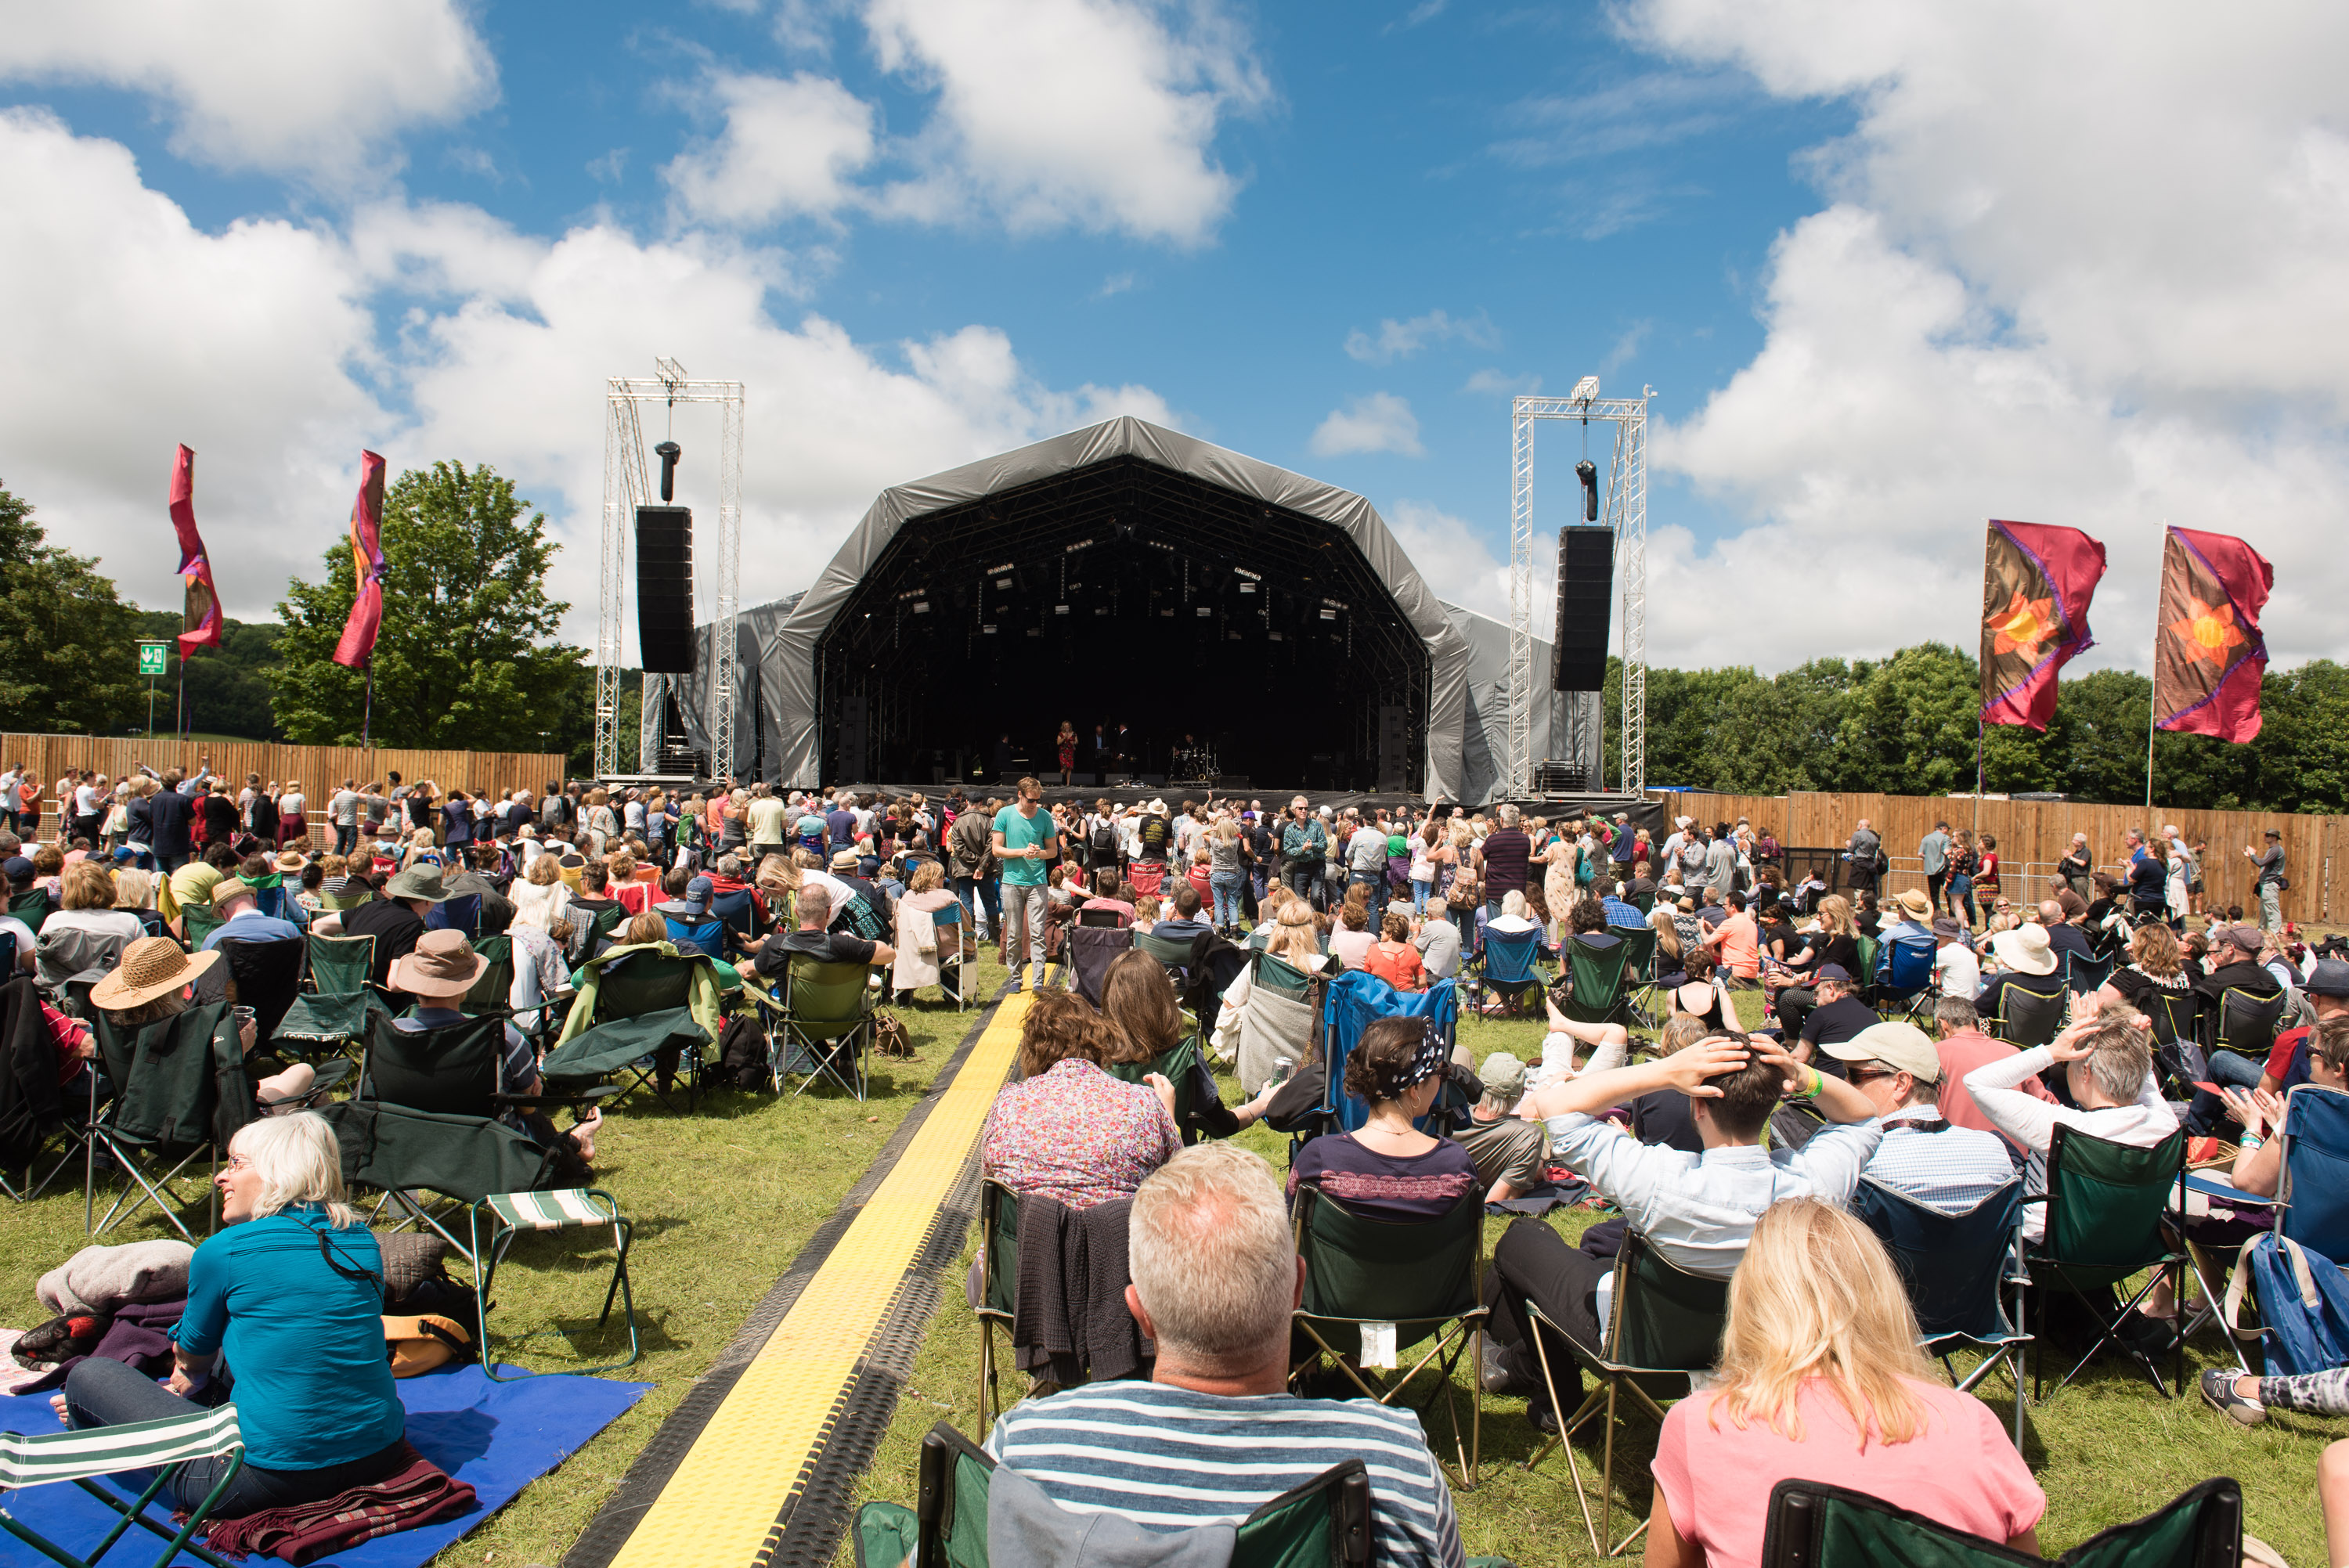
(1860, 1076)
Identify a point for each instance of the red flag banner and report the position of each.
(2037, 582)
(2207, 652)
(199, 621)
(366, 563)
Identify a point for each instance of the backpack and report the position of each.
(1104, 840)
(2303, 1306)
(743, 1054)
(1584, 873)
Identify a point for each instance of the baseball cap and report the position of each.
(1503, 1076)
(1944, 926)
(1901, 1046)
(1835, 972)
(2329, 978)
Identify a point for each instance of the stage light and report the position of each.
(1246, 587)
(988, 629)
(1329, 614)
(1205, 612)
(921, 606)
(1060, 609)
(1002, 584)
(1168, 614)
(1587, 473)
(1101, 609)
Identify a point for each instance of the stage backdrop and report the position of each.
(2033, 835)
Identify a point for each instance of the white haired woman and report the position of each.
(1820, 1375)
(291, 1289)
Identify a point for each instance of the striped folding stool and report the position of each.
(83, 1455)
(511, 1215)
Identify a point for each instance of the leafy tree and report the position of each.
(466, 658)
(228, 686)
(68, 663)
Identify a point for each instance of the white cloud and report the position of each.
(1116, 283)
(789, 147)
(1093, 114)
(1380, 422)
(282, 85)
(2078, 266)
(1452, 556)
(1402, 339)
(1501, 384)
(1627, 347)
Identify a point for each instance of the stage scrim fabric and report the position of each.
(2207, 653)
(2037, 582)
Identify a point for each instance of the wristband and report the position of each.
(1818, 1081)
(2249, 1140)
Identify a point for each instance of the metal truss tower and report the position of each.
(1625, 510)
(626, 487)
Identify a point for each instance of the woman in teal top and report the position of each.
(291, 1292)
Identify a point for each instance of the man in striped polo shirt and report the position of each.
(1213, 1434)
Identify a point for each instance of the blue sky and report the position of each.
(1886, 281)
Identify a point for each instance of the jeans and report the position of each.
(1370, 879)
(2228, 1070)
(1418, 887)
(979, 896)
(347, 837)
(1302, 875)
(1934, 883)
(1023, 927)
(1961, 899)
(167, 864)
(103, 1393)
(2271, 907)
(1226, 886)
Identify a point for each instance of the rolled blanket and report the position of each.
(97, 1280)
(416, 1494)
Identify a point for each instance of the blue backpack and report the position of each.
(2303, 1304)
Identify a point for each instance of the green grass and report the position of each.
(2107, 1449)
(722, 1202)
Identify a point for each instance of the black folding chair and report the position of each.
(1962, 1271)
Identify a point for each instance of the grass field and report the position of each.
(724, 1200)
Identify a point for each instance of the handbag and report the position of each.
(890, 1037)
(2303, 1304)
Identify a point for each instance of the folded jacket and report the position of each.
(416, 1494)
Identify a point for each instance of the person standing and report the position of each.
(1933, 849)
(343, 813)
(1023, 838)
(1065, 744)
(971, 860)
(1866, 853)
(1302, 841)
(2270, 881)
(1502, 861)
(2077, 865)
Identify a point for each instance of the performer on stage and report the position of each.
(1066, 743)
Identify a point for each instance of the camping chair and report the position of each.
(70, 953)
(458, 911)
(948, 922)
(1509, 966)
(2244, 1023)
(2082, 975)
(645, 1010)
(999, 1255)
(167, 1447)
(821, 1025)
(1100, 919)
(327, 1024)
(180, 1094)
(1814, 1525)
(266, 976)
(1869, 946)
(1638, 974)
(738, 913)
(1413, 1280)
(2111, 1212)
(2311, 1205)
(1645, 902)
(34, 908)
(339, 965)
(1664, 1325)
(2026, 1018)
(503, 1177)
(1597, 977)
(1179, 1063)
(1907, 979)
(496, 983)
(1955, 1266)
(1323, 1523)
(1182, 960)
(1090, 951)
(198, 921)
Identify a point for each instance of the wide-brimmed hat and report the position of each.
(845, 860)
(1913, 903)
(291, 860)
(2024, 948)
(443, 964)
(422, 882)
(151, 966)
(1947, 928)
(1904, 1047)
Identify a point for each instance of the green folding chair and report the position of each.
(1322, 1524)
(33, 908)
(1597, 994)
(1419, 1280)
(999, 1270)
(339, 965)
(491, 992)
(180, 1093)
(199, 920)
(166, 1447)
(2245, 1024)
(1868, 947)
(647, 1012)
(1814, 1525)
(2113, 1212)
(1665, 1325)
(821, 1027)
(1638, 974)
(1174, 1064)
(1181, 959)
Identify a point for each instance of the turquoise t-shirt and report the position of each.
(304, 1342)
(1018, 833)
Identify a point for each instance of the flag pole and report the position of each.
(2153, 696)
(366, 721)
(1978, 774)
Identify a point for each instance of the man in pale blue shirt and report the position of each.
(242, 920)
(1949, 1170)
(1696, 1209)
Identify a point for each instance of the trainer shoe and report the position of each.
(2219, 1392)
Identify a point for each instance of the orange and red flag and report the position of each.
(2207, 652)
(2037, 580)
(200, 619)
(366, 562)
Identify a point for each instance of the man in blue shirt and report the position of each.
(243, 920)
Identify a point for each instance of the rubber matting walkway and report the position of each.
(729, 1497)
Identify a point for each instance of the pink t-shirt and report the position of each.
(1962, 1472)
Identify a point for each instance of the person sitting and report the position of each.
(1350, 941)
(540, 897)
(1187, 925)
(1393, 959)
(1109, 896)
(1956, 971)
(915, 965)
(1295, 941)
(478, 878)
(2026, 966)
(1146, 911)
(1820, 1376)
(1737, 941)
(771, 956)
(1387, 1168)
(242, 920)
(2235, 966)
(1838, 1016)
(1697, 991)
(1609, 1044)
(397, 919)
(1215, 1276)
(1588, 922)
(88, 932)
(1960, 1043)
(687, 913)
(1068, 1131)
(291, 1289)
(2062, 915)
(1512, 917)
(1695, 1210)
(1508, 1152)
(1438, 941)
(1916, 913)
(1922, 1157)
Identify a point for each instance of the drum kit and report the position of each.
(1195, 763)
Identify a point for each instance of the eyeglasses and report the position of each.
(237, 1162)
(1860, 1076)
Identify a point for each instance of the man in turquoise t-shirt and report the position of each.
(1025, 839)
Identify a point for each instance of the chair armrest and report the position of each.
(595, 1095)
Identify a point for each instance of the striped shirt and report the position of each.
(1949, 1170)
(1171, 1458)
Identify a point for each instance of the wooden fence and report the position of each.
(2033, 835)
(319, 770)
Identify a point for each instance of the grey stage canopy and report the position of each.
(1190, 581)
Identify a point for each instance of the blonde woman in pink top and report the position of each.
(1820, 1379)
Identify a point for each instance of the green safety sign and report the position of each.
(150, 657)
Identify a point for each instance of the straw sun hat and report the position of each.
(151, 967)
(443, 966)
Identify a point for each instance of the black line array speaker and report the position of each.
(1394, 748)
(665, 588)
(1585, 588)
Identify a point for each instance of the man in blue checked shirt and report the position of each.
(1949, 1170)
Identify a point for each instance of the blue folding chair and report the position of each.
(1353, 1001)
(462, 911)
(2086, 974)
(1961, 1272)
(738, 913)
(947, 921)
(1510, 965)
(1906, 980)
(2312, 1198)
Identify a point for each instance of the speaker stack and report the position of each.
(1585, 588)
(665, 588)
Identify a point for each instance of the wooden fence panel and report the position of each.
(2033, 835)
